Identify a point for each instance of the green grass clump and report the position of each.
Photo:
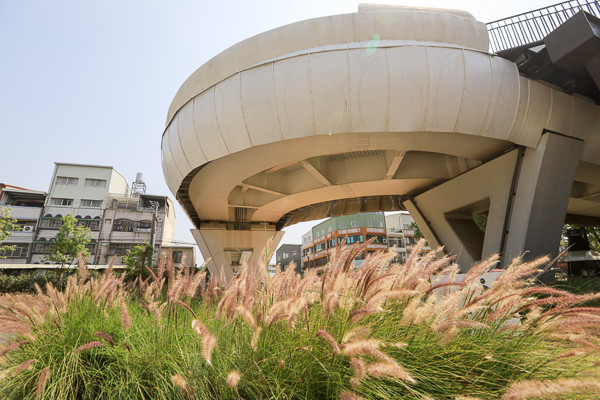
(382, 331)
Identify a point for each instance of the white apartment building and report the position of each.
(100, 198)
(400, 234)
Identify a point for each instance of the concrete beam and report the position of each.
(246, 186)
(314, 172)
(394, 165)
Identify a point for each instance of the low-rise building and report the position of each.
(401, 234)
(287, 254)
(183, 255)
(127, 222)
(321, 241)
(26, 207)
(119, 216)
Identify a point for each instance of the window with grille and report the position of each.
(123, 225)
(354, 224)
(119, 249)
(50, 223)
(19, 251)
(93, 224)
(343, 225)
(42, 247)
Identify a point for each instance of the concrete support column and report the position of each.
(226, 250)
(445, 213)
(541, 197)
(525, 194)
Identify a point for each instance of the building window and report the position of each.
(67, 180)
(369, 223)
(343, 225)
(56, 201)
(378, 238)
(320, 246)
(380, 224)
(20, 251)
(89, 182)
(331, 243)
(42, 247)
(177, 256)
(406, 226)
(93, 224)
(123, 225)
(354, 239)
(119, 249)
(91, 203)
(50, 223)
(91, 248)
(307, 251)
(354, 224)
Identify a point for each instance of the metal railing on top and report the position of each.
(533, 26)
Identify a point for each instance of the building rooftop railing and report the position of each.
(531, 27)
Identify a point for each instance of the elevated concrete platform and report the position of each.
(385, 108)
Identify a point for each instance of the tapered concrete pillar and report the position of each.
(445, 213)
(540, 201)
(524, 193)
(225, 250)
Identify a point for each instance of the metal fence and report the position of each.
(533, 26)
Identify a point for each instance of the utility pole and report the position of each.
(153, 226)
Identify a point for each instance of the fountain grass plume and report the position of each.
(380, 331)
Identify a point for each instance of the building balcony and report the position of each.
(20, 237)
(377, 246)
(20, 212)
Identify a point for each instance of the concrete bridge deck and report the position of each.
(386, 108)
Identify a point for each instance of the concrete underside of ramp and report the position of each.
(386, 108)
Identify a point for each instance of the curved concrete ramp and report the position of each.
(385, 108)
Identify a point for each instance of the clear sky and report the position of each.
(90, 81)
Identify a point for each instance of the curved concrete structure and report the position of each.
(375, 110)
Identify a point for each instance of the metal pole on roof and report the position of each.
(153, 227)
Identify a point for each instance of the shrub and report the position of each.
(25, 283)
(382, 331)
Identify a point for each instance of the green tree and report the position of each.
(418, 234)
(71, 240)
(7, 227)
(137, 260)
(593, 235)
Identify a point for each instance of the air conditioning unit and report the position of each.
(28, 228)
(159, 218)
(384, 240)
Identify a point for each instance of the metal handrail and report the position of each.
(531, 27)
